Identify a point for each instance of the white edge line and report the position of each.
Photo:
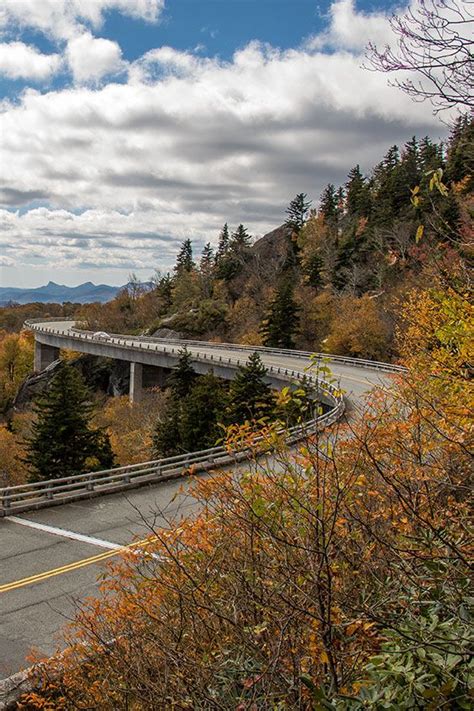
(64, 533)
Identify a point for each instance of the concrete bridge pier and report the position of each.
(44, 356)
(144, 376)
(136, 382)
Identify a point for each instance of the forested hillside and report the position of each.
(334, 276)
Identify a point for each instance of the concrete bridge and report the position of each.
(51, 557)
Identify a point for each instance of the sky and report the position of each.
(127, 126)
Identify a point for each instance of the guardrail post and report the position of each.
(5, 504)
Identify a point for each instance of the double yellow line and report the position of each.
(39, 577)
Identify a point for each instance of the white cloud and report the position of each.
(6, 262)
(22, 61)
(126, 171)
(91, 58)
(63, 19)
(350, 29)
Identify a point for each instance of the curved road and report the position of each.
(50, 559)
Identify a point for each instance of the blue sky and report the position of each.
(129, 125)
(222, 26)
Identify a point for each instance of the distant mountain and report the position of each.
(59, 293)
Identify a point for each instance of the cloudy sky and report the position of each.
(129, 125)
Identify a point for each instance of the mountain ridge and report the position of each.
(59, 293)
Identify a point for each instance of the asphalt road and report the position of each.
(46, 571)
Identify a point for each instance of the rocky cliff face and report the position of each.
(109, 376)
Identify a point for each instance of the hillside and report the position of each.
(332, 278)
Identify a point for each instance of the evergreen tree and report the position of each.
(183, 376)
(357, 194)
(430, 155)
(166, 438)
(184, 260)
(281, 323)
(409, 173)
(329, 204)
(298, 211)
(207, 259)
(235, 253)
(460, 150)
(164, 287)
(250, 398)
(202, 412)
(384, 184)
(62, 442)
(223, 245)
(241, 240)
(225, 267)
(206, 270)
(313, 270)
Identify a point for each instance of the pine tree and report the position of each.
(250, 397)
(282, 321)
(298, 211)
(62, 442)
(184, 260)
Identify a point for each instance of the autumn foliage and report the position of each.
(331, 576)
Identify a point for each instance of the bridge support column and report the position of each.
(44, 356)
(136, 382)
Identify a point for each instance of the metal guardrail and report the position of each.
(356, 362)
(23, 497)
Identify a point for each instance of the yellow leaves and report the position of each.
(283, 397)
(436, 182)
(415, 197)
(419, 233)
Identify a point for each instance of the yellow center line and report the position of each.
(39, 577)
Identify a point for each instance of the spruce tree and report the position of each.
(250, 398)
(202, 411)
(183, 376)
(206, 270)
(166, 438)
(357, 194)
(298, 211)
(281, 323)
(223, 244)
(207, 259)
(240, 239)
(184, 259)
(225, 260)
(329, 204)
(63, 442)
(313, 270)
